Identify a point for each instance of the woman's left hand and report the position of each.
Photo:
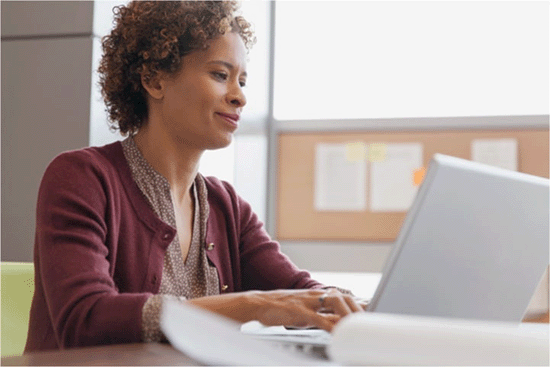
(296, 308)
(304, 308)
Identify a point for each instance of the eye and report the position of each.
(220, 75)
(242, 83)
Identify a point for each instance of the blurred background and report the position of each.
(338, 72)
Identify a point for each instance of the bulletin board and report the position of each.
(297, 218)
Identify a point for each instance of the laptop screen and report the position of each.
(473, 245)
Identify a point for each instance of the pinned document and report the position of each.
(501, 153)
(392, 180)
(340, 184)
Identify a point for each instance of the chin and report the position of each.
(220, 143)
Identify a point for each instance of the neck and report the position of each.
(175, 161)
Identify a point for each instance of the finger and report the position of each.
(337, 304)
(332, 318)
(309, 313)
(322, 321)
(352, 304)
(316, 299)
(364, 303)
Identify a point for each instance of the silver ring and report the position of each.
(322, 299)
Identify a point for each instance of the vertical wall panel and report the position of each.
(46, 84)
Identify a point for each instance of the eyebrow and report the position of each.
(228, 65)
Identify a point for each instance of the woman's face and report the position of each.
(202, 103)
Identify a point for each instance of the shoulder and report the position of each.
(94, 159)
(223, 196)
(84, 168)
(222, 192)
(219, 188)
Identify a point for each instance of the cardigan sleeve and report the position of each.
(263, 265)
(71, 255)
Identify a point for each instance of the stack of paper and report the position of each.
(376, 338)
(363, 339)
(214, 340)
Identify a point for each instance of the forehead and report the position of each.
(228, 48)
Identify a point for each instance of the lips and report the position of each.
(233, 119)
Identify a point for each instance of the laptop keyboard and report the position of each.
(312, 350)
(311, 342)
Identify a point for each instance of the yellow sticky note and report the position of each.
(355, 152)
(377, 152)
(418, 176)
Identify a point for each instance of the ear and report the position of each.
(154, 86)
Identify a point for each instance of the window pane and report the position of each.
(244, 165)
(251, 171)
(100, 133)
(256, 90)
(219, 163)
(410, 59)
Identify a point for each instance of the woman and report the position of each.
(123, 227)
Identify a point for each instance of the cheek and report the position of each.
(199, 99)
(210, 93)
(199, 96)
(182, 102)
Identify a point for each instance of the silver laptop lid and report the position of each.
(473, 245)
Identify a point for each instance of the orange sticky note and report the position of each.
(418, 176)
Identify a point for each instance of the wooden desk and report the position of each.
(139, 354)
(153, 354)
(541, 319)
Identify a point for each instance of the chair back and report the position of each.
(17, 289)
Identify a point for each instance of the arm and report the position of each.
(74, 261)
(288, 295)
(263, 265)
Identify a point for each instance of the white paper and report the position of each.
(211, 339)
(340, 184)
(392, 186)
(384, 339)
(501, 153)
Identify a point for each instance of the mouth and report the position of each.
(232, 119)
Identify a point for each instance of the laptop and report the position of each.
(474, 245)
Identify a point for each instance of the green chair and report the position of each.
(16, 291)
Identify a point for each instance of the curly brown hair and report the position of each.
(151, 37)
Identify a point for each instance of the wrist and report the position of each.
(255, 304)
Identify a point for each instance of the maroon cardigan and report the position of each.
(99, 251)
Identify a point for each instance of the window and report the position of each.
(365, 59)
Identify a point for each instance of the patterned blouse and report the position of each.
(182, 279)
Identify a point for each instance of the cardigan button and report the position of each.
(210, 246)
(224, 287)
(154, 279)
(166, 236)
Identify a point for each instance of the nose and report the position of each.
(236, 96)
